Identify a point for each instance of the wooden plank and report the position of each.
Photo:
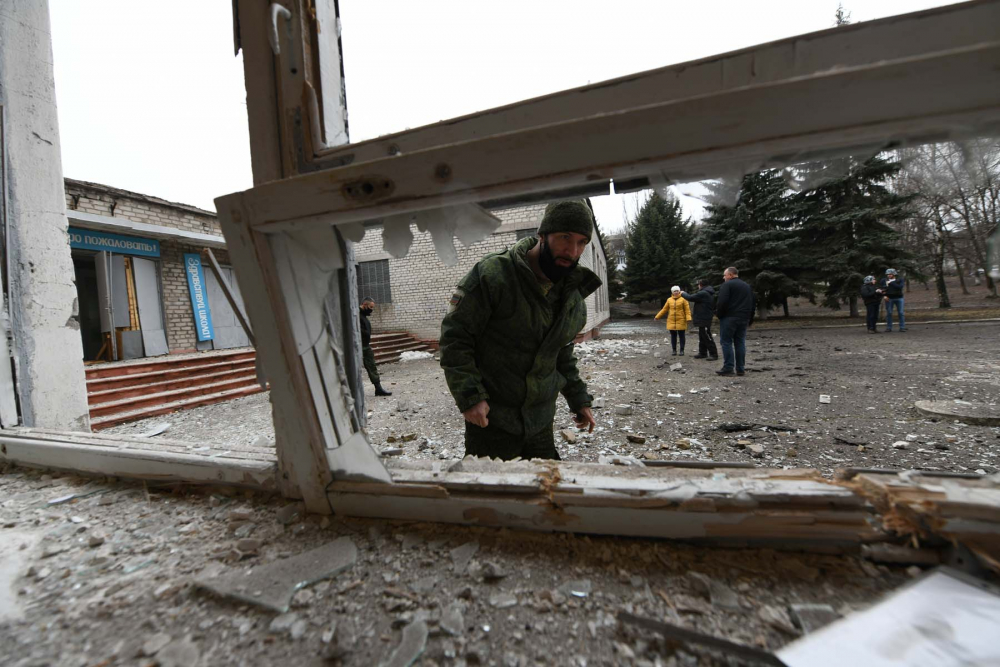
(298, 439)
(743, 128)
(160, 466)
(213, 264)
(262, 98)
(851, 45)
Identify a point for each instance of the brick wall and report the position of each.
(422, 284)
(98, 199)
(177, 312)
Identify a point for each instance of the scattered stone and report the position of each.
(248, 546)
(777, 618)
(411, 646)
(298, 629)
(900, 444)
(810, 617)
(622, 375)
(452, 620)
(580, 588)
(911, 437)
(568, 435)
(623, 410)
(951, 439)
(392, 451)
(154, 644)
(683, 443)
(791, 452)
(409, 437)
(756, 451)
(676, 367)
(503, 600)
(240, 515)
(95, 541)
(460, 556)
(303, 598)
(718, 594)
(180, 653)
(942, 446)
(290, 513)
(492, 572)
(244, 530)
(283, 623)
(598, 402)
(744, 443)
(824, 398)
(273, 585)
(637, 439)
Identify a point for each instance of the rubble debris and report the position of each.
(676, 367)
(179, 653)
(152, 646)
(291, 513)
(272, 586)
(599, 402)
(855, 442)
(637, 439)
(623, 410)
(503, 600)
(580, 588)
(568, 435)
(980, 414)
(718, 594)
(461, 555)
(944, 619)
(392, 451)
(809, 617)
(452, 621)
(693, 638)
(778, 618)
(411, 646)
(155, 430)
(824, 398)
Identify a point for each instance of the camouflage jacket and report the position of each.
(505, 341)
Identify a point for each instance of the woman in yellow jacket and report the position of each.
(678, 314)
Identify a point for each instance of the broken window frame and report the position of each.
(288, 238)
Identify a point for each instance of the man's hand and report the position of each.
(583, 418)
(477, 414)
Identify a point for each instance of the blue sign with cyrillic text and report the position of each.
(199, 296)
(86, 239)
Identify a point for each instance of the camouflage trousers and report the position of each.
(496, 443)
(368, 357)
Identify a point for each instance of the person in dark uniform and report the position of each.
(367, 355)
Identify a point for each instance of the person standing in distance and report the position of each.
(735, 309)
(678, 313)
(704, 310)
(367, 354)
(872, 298)
(892, 287)
(507, 339)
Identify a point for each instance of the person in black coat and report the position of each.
(704, 310)
(735, 309)
(367, 354)
(871, 295)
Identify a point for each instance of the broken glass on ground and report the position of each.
(272, 586)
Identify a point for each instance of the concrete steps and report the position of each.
(120, 393)
(389, 346)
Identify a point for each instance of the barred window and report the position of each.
(373, 281)
(525, 233)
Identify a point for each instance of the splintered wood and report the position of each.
(926, 507)
(789, 508)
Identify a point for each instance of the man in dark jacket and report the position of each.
(507, 340)
(872, 298)
(704, 309)
(735, 308)
(892, 288)
(367, 354)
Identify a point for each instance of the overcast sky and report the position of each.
(151, 98)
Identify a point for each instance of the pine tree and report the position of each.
(846, 208)
(657, 250)
(751, 224)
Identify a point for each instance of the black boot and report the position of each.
(379, 391)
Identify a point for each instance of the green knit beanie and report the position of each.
(568, 216)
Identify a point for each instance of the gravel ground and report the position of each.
(872, 381)
(107, 579)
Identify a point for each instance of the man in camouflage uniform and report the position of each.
(507, 340)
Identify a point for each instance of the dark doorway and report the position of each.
(89, 305)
